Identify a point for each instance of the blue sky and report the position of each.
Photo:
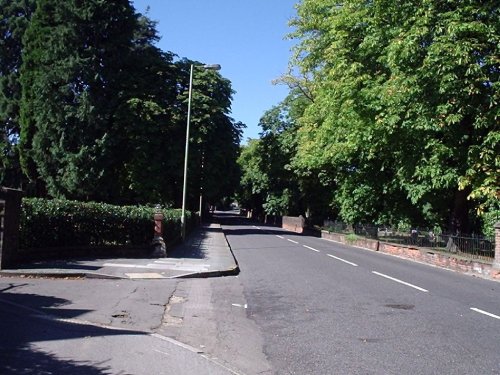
(246, 37)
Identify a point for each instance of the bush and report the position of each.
(62, 223)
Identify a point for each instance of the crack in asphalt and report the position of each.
(168, 320)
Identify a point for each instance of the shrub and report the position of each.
(62, 223)
(351, 238)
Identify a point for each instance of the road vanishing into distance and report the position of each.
(326, 308)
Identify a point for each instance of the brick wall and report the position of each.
(496, 262)
(293, 223)
(448, 261)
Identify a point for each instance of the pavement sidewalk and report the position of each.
(205, 253)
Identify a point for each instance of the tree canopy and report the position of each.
(14, 19)
(98, 111)
(402, 122)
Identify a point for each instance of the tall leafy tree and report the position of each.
(254, 182)
(405, 97)
(269, 179)
(75, 79)
(103, 110)
(14, 19)
(151, 117)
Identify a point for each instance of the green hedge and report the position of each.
(62, 223)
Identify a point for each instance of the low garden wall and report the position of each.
(424, 255)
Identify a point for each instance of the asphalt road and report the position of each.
(325, 308)
(92, 327)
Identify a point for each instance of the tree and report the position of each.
(152, 117)
(270, 183)
(103, 110)
(404, 100)
(254, 183)
(14, 19)
(74, 78)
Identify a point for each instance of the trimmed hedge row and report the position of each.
(62, 223)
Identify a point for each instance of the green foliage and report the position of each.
(269, 181)
(278, 205)
(351, 238)
(95, 111)
(74, 78)
(404, 122)
(490, 217)
(62, 223)
(14, 16)
(254, 182)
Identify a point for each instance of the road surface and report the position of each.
(326, 308)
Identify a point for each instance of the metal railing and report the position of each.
(473, 247)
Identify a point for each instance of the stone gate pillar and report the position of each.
(496, 261)
(10, 215)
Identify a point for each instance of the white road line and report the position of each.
(342, 260)
(256, 227)
(485, 313)
(175, 342)
(159, 351)
(327, 239)
(245, 306)
(280, 237)
(216, 361)
(291, 240)
(400, 281)
(311, 248)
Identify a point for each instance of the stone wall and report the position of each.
(294, 224)
(362, 242)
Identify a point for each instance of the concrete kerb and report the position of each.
(95, 275)
(234, 271)
(40, 274)
(204, 275)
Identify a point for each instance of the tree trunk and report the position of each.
(459, 220)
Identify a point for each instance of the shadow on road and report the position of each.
(27, 320)
(230, 219)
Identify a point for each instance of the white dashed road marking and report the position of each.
(485, 313)
(342, 260)
(280, 237)
(400, 281)
(291, 240)
(245, 306)
(311, 248)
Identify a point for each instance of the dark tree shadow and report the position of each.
(192, 248)
(231, 219)
(27, 361)
(29, 318)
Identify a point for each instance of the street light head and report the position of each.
(211, 66)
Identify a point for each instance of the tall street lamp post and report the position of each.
(186, 154)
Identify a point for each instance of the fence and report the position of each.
(474, 247)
